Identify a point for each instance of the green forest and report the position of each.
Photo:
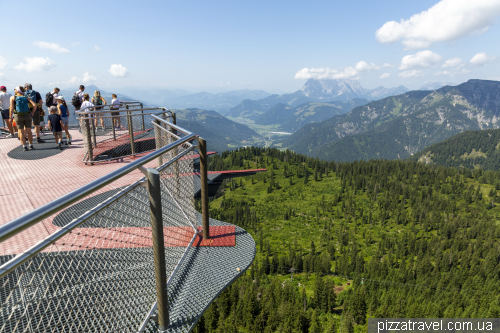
(374, 238)
(469, 149)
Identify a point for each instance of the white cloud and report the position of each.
(36, 64)
(387, 65)
(3, 62)
(118, 70)
(494, 78)
(75, 44)
(453, 62)
(412, 73)
(448, 20)
(453, 72)
(480, 59)
(384, 76)
(73, 80)
(327, 73)
(88, 78)
(421, 59)
(97, 48)
(51, 46)
(363, 67)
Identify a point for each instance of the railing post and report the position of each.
(159, 143)
(153, 186)
(176, 163)
(90, 151)
(202, 148)
(130, 131)
(93, 128)
(142, 112)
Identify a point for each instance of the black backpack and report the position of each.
(49, 99)
(76, 101)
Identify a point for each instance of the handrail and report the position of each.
(27, 220)
(15, 262)
(82, 111)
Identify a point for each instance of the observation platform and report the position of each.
(100, 276)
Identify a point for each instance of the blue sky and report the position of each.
(231, 45)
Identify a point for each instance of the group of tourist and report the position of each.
(24, 109)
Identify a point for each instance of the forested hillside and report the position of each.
(291, 119)
(220, 132)
(469, 149)
(395, 239)
(413, 120)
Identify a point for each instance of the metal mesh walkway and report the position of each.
(95, 272)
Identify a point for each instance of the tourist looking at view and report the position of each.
(4, 108)
(64, 113)
(20, 110)
(98, 100)
(117, 123)
(37, 113)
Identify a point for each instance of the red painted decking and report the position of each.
(26, 185)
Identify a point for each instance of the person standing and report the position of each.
(98, 100)
(56, 125)
(20, 110)
(37, 112)
(116, 115)
(50, 100)
(4, 108)
(77, 99)
(64, 113)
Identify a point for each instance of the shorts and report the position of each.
(115, 114)
(5, 114)
(57, 133)
(36, 118)
(23, 121)
(65, 121)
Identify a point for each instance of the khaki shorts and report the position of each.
(23, 121)
(36, 118)
(57, 133)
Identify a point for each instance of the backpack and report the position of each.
(49, 99)
(22, 105)
(96, 100)
(76, 101)
(31, 94)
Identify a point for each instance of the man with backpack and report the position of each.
(98, 100)
(20, 110)
(77, 99)
(4, 108)
(37, 112)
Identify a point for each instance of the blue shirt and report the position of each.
(64, 111)
(55, 123)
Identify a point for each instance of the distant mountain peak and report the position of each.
(346, 89)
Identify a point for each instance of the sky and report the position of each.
(274, 46)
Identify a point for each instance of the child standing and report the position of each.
(56, 125)
(63, 112)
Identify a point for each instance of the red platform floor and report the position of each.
(28, 184)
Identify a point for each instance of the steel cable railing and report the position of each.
(95, 272)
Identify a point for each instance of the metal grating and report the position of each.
(100, 276)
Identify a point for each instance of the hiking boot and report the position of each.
(31, 147)
(25, 148)
(59, 146)
(38, 140)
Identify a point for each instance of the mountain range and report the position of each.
(313, 91)
(220, 133)
(399, 126)
(291, 119)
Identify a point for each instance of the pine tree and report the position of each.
(315, 326)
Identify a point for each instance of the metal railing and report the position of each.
(96, 269)
(110, 134)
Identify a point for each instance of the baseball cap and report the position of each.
(61, 98)
(28, 85)
(3, 88)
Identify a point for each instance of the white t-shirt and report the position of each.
(115, 101)
(80, 95)
(88, 105)
(5, 100)
(54, 99)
